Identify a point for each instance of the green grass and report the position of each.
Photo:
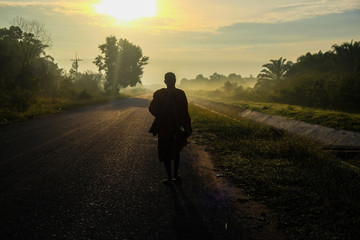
(314, 195)
(44, 106)
(333, 119)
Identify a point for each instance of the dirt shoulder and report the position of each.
(253, 217)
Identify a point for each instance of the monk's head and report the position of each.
(170, 79)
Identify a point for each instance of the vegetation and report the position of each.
(327, 118)
(22, 70)
(215, 81)
(329, 80)
(122, 62)
(273, 73)
(314, 195)
(31, 83)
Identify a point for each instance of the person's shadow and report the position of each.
(187, 222)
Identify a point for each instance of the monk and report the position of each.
(172, 124)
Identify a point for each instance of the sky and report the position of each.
(192, 37)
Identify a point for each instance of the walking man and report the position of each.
(172, 124)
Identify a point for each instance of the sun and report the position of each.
(127, 10)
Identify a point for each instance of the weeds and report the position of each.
(327, 118)
(314, 195)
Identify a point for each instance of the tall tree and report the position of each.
(26, 49)
(347, 61)
(122, 62)
(273, 72)
(34, 27)
(25, 69)
(33, 39)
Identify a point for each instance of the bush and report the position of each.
(84, 95)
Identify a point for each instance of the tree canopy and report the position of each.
(273, 73)
(122, 63)
(24, 66)
(327, 80)
(27, 73)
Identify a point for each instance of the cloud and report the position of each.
(202, 15)
(305, 9)
(344, 25)
(208, 15)
(65, 7)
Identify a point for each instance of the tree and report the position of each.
(216, 77)
(123, 63)
(234, 76)
(200, 77)
(273, 72)
(25, 68)
(328, 79)
(33, 39)
(276, 70)
(347, 61)
(34, 27)
(49, 75)
(25, 47)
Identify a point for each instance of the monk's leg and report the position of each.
(176, 164)
(167, 164)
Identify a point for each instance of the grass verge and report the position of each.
(327, 118)
(44, 106)
(314, 195)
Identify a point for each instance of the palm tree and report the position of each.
(347, 57)
(273, 72)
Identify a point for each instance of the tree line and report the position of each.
(329, 80)
(216, 80)
(28, 73)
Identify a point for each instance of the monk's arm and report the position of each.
(154, 105)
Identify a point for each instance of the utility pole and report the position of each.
(76, 64)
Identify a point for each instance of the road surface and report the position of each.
(93, 173)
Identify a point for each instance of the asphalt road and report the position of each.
(93, 173)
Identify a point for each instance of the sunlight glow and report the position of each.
(127, 10)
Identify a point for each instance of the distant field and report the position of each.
(327, 118)
(314, 195)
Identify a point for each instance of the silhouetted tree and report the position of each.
(234, 76)
(200, 77)
(347, 61)
(122, 62)
(273, 72)
(23, 67)
(216, 77)
(326, 80)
